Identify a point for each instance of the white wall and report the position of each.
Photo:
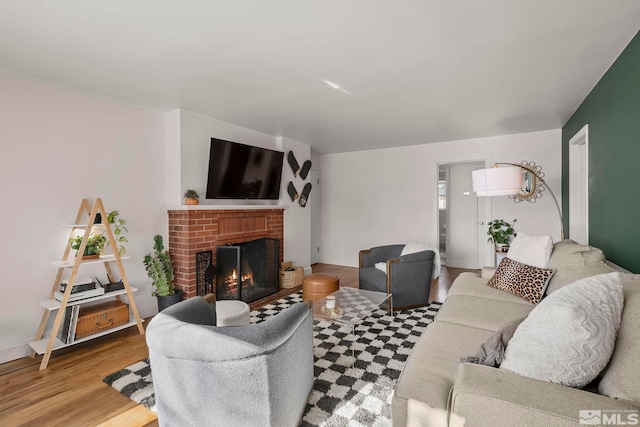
(196, 132)
(297, 219)
(173, 159)
(59, 146)
(386, 196)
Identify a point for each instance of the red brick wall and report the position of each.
(192, 231)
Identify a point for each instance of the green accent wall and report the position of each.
(612, 111)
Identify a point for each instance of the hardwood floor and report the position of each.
(70, 392)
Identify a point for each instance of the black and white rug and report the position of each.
(345, 392)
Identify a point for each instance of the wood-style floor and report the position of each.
(70, 392)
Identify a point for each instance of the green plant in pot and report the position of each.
(119, 229)
(160, 269)
(191, 197)
(500, 233)
(95, 245)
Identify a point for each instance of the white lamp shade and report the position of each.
(497, 181)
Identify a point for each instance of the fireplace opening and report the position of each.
(248, 271)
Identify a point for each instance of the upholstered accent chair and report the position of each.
(256, 375)
(406, 277)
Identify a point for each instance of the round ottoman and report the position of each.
(232, 313)
(318, 285)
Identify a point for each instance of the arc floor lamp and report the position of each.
(521, 182)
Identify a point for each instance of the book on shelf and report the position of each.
(67, 330)
(72, 327)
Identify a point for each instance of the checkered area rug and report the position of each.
(347, 391)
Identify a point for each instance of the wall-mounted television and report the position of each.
(239, 171)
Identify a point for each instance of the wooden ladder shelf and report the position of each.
(52, 343)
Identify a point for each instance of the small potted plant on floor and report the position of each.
(191, 197)
(500, 233)
(160, 270)
(95, 245)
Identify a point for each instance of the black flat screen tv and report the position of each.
(239, 171)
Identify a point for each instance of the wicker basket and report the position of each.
(100, 317)
(290, 276)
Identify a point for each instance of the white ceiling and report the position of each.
(409, 71)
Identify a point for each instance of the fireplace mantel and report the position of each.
(198, 228)
(222, 207)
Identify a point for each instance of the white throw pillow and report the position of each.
(569, 337)
(531, 250)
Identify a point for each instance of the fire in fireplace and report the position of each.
(248, 271)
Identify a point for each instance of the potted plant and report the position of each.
(500, 233)
(160, 270)
(95, 245)
(191, 197)
(119, 228)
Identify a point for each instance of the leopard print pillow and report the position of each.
(520, 279)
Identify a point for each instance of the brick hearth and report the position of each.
(196, 230)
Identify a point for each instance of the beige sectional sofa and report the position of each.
(436, 389)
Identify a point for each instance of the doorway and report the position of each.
(579, 186)
(461, 217)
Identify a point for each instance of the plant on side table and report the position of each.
(191, 197)
(500, 233)
(160, 270)
(95, 245)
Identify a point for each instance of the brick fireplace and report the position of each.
(197, 229)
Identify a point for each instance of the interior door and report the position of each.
(465, 248)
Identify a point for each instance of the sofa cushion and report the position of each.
(621, 378)
(569, 337)
(531, 250)
(564, 277)
(569, 254)
(481, 313)
(485, 396)
(471, 285)
(524, 280)
(429, 373)
(573, 261)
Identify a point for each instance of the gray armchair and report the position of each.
(407, 278)
(256, 375)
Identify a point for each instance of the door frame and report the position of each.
(579, 186)
(488, 254)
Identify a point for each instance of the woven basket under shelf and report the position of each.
(292, 278)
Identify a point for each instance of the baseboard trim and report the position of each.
(16, 352)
